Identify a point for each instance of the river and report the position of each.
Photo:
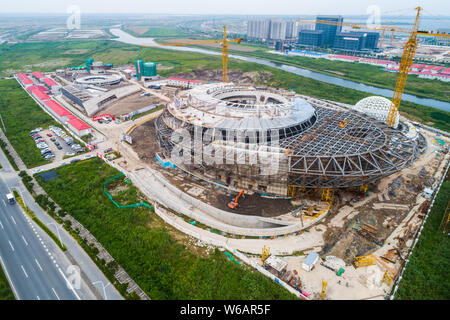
(442, 105)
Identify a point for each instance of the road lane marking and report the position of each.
(11, 245)
(55, 293)
(37, 262)
(69, 285)
(9, 279)
(23, 269)
(24, 240)
(13, 220)
(4, 203)
(2, 226)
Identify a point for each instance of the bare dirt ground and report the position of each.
(144, 141)
(131, 103)
(237, 76)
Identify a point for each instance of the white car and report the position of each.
(70, 154)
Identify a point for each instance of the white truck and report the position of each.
(11, 199)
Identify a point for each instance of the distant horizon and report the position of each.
(209, 14)
(230, 7)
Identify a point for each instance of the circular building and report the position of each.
(376, 107)
(275, 142)
(99, 80)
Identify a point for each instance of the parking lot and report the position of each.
(57, 145)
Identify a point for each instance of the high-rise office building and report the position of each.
(329, 30)
(356, 41)
(312, 38)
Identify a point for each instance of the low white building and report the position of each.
(310, 261)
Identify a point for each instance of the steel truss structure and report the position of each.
(320, 144)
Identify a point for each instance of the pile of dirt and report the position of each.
(252, 205)
(145, 143)
(237, 76)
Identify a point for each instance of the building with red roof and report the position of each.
(38, 75)
(57, 110)
(51, 84)
(37, 87)
(40, 95)
(23, 78)
(445, 71)
(78, 127)
(182, 83)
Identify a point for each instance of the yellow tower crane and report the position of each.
(224, 43)
(409, 51)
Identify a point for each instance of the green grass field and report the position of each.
(13, 56)
(426, 274)
(5, 290)
(21, 114)
(140, 242)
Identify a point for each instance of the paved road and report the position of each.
(33, 269)
(36, 250)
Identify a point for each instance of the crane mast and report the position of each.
(405, 65)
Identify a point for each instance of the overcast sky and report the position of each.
(245, 7)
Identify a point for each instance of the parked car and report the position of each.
(59, 147)
(108, 150)
(49, 134)
(38, 129)
(53, 139)
(39, 141)
(49, 156)
(33, 133)
(36, 135)
(42, 146)
(74, 160)
(57, 143)
(70, 154)
(44, 151)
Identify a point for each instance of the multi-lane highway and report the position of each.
(29, 263)
(35, 266)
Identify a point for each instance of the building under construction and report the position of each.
(277, 143)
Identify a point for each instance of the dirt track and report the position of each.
(131, 103)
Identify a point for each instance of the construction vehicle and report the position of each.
(224, 43)
(406, 61)
(364, 261)
(342, 124)
(324, 289)
(265, 253)
(234, 203)
(10, 198)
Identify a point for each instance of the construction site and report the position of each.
(324, 197)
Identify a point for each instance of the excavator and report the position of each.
(234, 203)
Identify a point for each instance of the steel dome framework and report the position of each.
(317, 152)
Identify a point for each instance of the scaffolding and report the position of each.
(311, 151)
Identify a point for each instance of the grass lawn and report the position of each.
(154, 254)
(5, 290)
(21, 114)
(426, 274)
